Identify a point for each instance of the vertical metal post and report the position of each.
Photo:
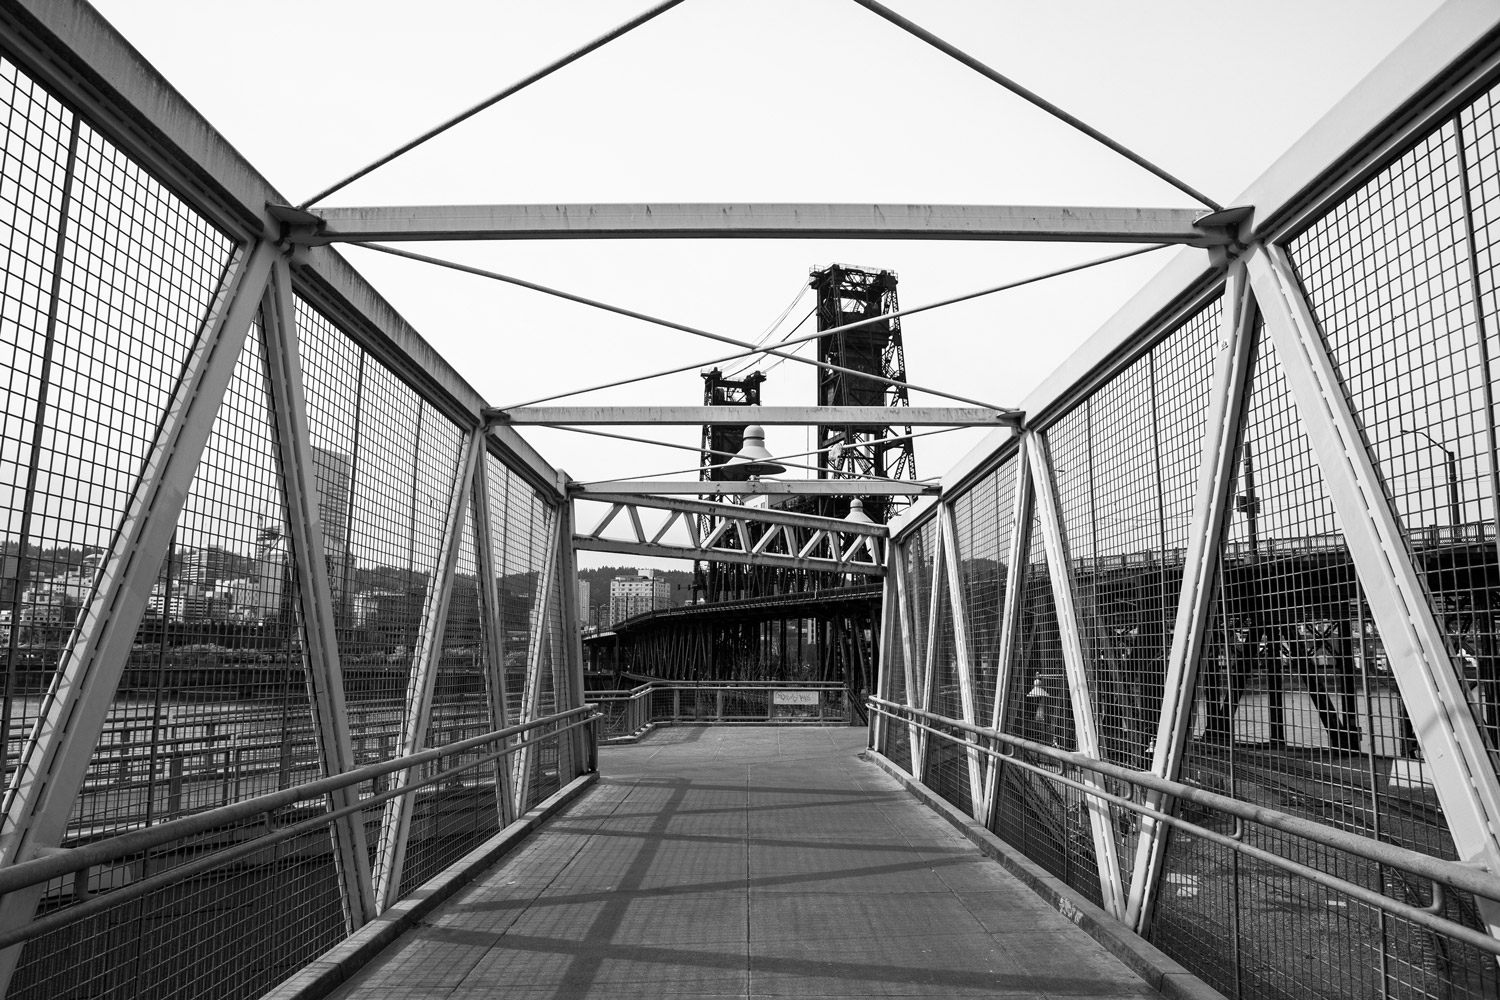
(908, 651)
(1010, 614)
(961, 653)
(314, 592)
(889, 636)
(582, 758)
(1075, 660)
(1222, 431)
(541, 612)
(421, 680)
(929, 655)
(496, 696)
(1413, 636)
(55, 760)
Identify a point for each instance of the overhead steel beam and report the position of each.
(769, 487)
(766, 416)
(1046, 223)
(663, 551)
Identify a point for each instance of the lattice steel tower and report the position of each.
(714, 581)
(846, 295)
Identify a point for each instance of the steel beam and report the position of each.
(541, 613)
(55, 759)
(421, 680)
(589, 543)
(1075, 660)
(489, 571)
(1036, 223)
(1413, 637)
(928, 674)
(579, 741)
(757, 514)
(769, 487)
(889, 636)
(1218, 451)
(963, 661)
(325, 681)
(1010, 614)
(908, 650)
(766, 416)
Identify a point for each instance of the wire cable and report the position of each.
(669, 324)
(514, 88)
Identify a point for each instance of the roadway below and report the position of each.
(745, 862)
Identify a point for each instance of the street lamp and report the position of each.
(1451, 461)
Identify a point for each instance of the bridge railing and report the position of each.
(627, 713)
(1356, 870)
(259, 536)
(1245, 542)
(258, 855)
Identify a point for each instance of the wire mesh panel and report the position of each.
(34, 175)
(232, 931)
(213, 707)
(982, 517)
(1391, 278)
(91, 349)
(457, 815)
(1047, 820)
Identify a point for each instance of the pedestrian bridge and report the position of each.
(1191, 669)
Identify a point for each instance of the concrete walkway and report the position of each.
(718, 862)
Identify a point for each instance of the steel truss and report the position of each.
(1270, 333)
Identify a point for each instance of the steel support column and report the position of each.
(496, 696)
(325, 682)
(541, 612)
(963, 661)
(908, 652)
(578, 741)
(890, 633)
(1010, 614)
(421, 680)
(1075, 660)
(929, 655)
(1218, 453)
(1413, 636)
(55, 760)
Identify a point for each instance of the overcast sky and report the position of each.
(773, 100)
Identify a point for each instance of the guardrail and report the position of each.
(1441, 874)
(191, 833)
(625, 713)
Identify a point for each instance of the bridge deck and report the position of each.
(745, 863)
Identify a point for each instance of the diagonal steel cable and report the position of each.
(514, 88)
(673, 325)
(887, 317)
(875, 7)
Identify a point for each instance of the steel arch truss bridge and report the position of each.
(747, 535)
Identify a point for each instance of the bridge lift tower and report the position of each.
(715, 581)
(846, 295)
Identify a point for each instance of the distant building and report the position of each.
(633, 595)
(583, 602)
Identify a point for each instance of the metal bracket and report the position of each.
(1221, 233)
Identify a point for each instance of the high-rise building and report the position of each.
(583, 603)
(633, 595)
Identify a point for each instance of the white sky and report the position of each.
(776, 100)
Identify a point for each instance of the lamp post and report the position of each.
(1450, 457)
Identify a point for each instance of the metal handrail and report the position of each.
(97, 904)
(1429, 916)
(65, 860)
(1469, 877)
